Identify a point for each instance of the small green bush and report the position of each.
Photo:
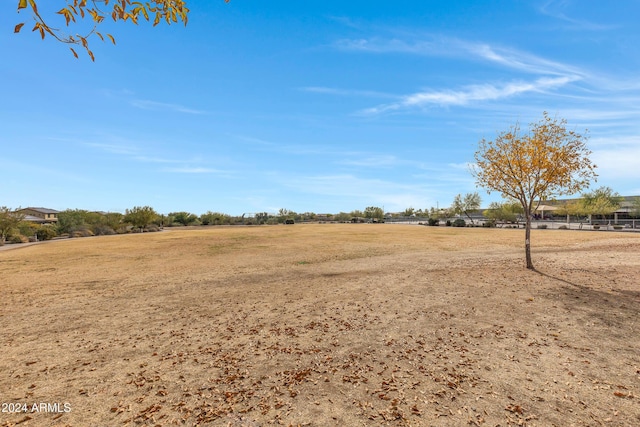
(27, 228)
(489, 224)
(617, 227)
(46, 233)
(433, 222)
(542, 226)
(103, 230)
(448, 223)
(18, 238)
(459, 223)
(563, 227)
(81, 232)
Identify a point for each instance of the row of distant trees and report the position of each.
(601, 202)
(81, 223)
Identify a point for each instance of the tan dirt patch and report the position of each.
(323, 325)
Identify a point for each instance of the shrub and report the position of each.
(152, 228)
(489, 224)
(103, 230)
(448, 223)
(542, 226)
(46, 233)
(596, 227)
(33, 231)
(433, 222)
(18, 238)
(124, 229)
(459, 223)
(27, 228)
(617, 227)
(81, 232)
(563, 227)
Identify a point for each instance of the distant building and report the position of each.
(626, 210)
(40, 215)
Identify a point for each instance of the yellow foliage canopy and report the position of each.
(547, 161)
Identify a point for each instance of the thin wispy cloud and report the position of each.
(252, 140)
(147, 159)
(630, 141)
(610, 113)
(441, 46)
(52, 175)
(552, 74)
(375, 161)
(418, 189)
(517, 60)
(363, 191)
(195, 170)
(460, 166)
(346, 21)
(163, 106)
(290, 149)
(347, 92)
(454, 175)
(113, 148)
(470, 94)
(556, 9)
(393, 45)
(132, 153)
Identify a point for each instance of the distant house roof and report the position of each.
(32, 218)
(43, 210)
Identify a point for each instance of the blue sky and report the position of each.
(320, 106)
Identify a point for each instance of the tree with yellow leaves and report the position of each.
(545, 162)
(97, 10)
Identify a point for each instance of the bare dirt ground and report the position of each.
(322, 325)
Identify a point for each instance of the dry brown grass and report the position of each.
(323, 325)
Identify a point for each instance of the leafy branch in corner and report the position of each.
(169, 11)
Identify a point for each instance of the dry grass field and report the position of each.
(322, 325)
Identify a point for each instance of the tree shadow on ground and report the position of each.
(604, 302)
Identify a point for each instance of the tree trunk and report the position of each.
(527, 243)
(470, 219)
